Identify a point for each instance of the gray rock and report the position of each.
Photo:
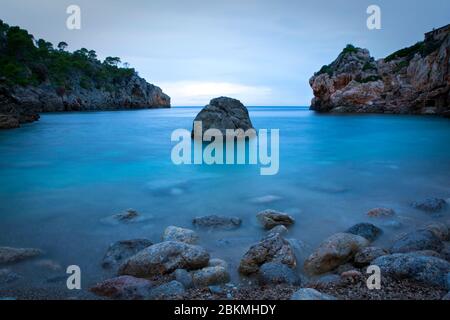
(173, 233)
(366, 230)
(12, 255)
(417, 241)
(171, 290)
(123, 288)
(333, 252)
(310, 294)
(277, 273)
(217, 289)
(425, 269)
(272, 248)
(184, 277)
(217, 222)
(223, 113)
(381, 213)
(121, 250)
(163, 258)
(210, 276)
(8, 122)
(367, 255)
(270, 218)
(430, 205)
(446, 297)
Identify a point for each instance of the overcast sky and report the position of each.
(260, 51)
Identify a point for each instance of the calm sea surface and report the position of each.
(62, 177)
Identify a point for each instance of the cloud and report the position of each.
(198, 93)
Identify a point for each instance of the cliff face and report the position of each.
(21, 104)
(35, 78)
(414, 80)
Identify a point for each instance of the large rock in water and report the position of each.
(223, 113)
(163, 258)
(271, 218)
(334, 251)
(426, 269)
(273, 248)
(411, 81)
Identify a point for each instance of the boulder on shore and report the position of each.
(163, 258)
(209, 276)
(334, 251)
(272, 248)
(222, 113)
(277, 273)
(426, 269)
(123, 288)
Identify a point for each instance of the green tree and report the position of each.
(62, 46)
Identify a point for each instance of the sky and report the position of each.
(262, 52)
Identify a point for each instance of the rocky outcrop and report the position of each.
(414, 80)
(23, 104)
(222, 113)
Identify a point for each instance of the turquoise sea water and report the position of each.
(62, 176)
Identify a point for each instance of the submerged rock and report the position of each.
(123, 288)
(173, 233)
(217, 222)
(277, 273)
(163, 258)
(12, 255)
(439, 229)
(272, 248)
(366, 230)
(310, 294)
(381, 212)
(430, 205)
(271, 218)
(425, 269)
(417, 241)
(127, 216)
(368, 254)
(209, 276)
(334, 251)
(223, 113)
(122, 250)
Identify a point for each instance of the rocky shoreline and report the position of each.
(414, 80)
(416, 265)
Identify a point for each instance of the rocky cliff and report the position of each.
(36, 78)
(414, 80)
